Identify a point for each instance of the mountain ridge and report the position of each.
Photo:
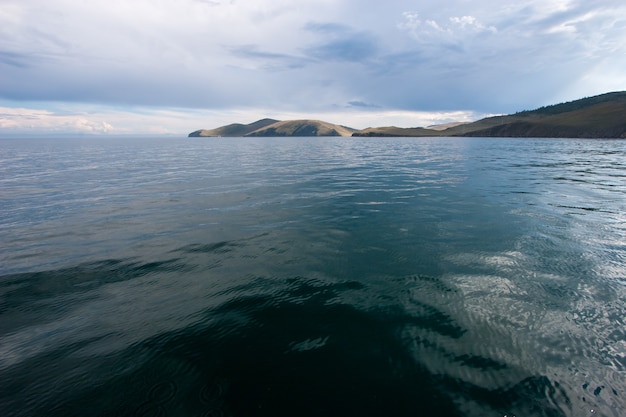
(234, 129)
(304, 127)
(601, 116)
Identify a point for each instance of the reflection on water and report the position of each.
(205, 277)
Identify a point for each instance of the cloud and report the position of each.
(326, 28)
(312, 56)
(455, 29)
(268, 60)
(362, 104)
(340, 42)
(471, 23)
(13, 59)
(43, 121)
(357, 47)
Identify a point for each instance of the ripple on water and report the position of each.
(396, 276)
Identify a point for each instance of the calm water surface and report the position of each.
(312, 277)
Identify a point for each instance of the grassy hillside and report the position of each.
(271, 127)
(235, 129)
(435, 130)
(397, 131)
(595, 117)
(602, 116)
(303, 128)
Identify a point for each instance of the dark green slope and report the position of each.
(601, 116)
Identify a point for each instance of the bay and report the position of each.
(312, 276)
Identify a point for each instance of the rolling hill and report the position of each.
(235, 129)
(303, 128)
(271, 127)
(602, 116)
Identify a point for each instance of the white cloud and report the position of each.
(571, 25)
(470, 22)
(452, 30)
(412, 21)
(44, 121)
(310, 56)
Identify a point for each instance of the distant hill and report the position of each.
(602, 116)
(235, 129)
(433, 130)
(271, 127)
(303, 128)
(398, 131)
(446, 125)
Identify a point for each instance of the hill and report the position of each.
(235, 129)
(397, 131)
(303, 128)
(271, 127)
(602, 116)
(446, 125)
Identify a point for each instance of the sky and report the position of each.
(174, 66)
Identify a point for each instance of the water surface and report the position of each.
(312, 276)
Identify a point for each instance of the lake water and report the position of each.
(312, 277)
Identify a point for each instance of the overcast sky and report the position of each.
(173, 66)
